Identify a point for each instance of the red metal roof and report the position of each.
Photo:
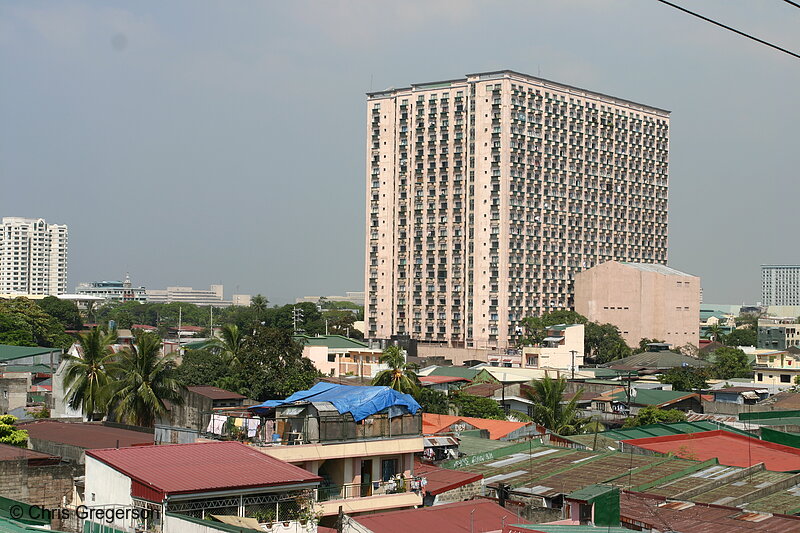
(731, 449)
(432, 424)
(654, 512)
(472, 516)
(85, 435)
(430, 380)
(200, 467)
(215, 393)
(442, 480)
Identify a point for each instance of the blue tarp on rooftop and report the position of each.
(361, 402)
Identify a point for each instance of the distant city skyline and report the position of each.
(238, 159)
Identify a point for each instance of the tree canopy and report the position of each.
(65, 311)
(400, 375)
(476, 406)
(742, 337)
(10, 434)
(686, 379)
(23, 323)
(551, 409)
(730, 363)
(653, 415)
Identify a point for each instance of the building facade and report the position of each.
(119, 291)
(642, 300)
(33, 257)
(214, 295)
(486, 194)
(780, 284)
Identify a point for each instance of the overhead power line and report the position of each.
(795, 4)
(734, 30)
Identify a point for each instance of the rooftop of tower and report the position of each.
(498, 74)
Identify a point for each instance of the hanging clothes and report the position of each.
(252, 426)
(216, 424)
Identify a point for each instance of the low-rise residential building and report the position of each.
(624, 401)
(733, 400)
(336, 355)
(777, 336)
(198, 406)
(561, 347)
(656, 359)
(433, 424)
(643, 300)
(443, 384)
(360, 440)
(200, 480)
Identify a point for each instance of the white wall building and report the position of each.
(33, 257)
(780, 285)
(214, 295)
(119, 291)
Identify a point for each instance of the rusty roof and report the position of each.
(433, 423)
(88, 435)
(13, 453)
(215, 393)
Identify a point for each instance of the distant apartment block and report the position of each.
(118, 291)
(212, 296)
(354, 297)
(33, 257)
(561, 348)
(780, 285)
(643, 300)
(486, 194)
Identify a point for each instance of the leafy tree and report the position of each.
(653, 415)
(229, 345)
(742, 337)
(202, 367)
(536, 326)
(604, 343)
(685, 379)
(400, 375)
(87, 375)
(477, 407)
(432, 401)
(272, 366)
(730, 363)
(64, 311)
(10, 434)
(551, 410)
(748, 320)
(23, 323)
(143, 381)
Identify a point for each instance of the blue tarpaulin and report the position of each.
(361, 402)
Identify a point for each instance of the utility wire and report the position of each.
(734, 30)
(795, 4)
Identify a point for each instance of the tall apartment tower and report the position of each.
(780, 284)
(33, 257)
(486, 194)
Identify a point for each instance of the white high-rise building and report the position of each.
(33, 257)
(780, 284)
(486, 194)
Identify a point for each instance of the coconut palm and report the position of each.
(550, 408)
(229, 345)
(259, 303)
(716, 332)
(401, 375)
(144, 381)
(86, 375)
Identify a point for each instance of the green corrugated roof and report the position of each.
(659, 430)
(10, 526)
(651, 396)
(33, 369)
(196, 345)
(11, 353)
(470, 445)
(657, 360)
(590, 492)
(337, 342)
(455, 371)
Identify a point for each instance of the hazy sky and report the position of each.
(223, 142)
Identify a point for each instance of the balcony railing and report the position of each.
(364, 490)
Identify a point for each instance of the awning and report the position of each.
(431, 442)
(749, 395)
(553, 339)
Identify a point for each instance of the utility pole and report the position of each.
(573, 352)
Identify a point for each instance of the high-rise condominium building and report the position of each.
(780, 284)
(485, 195)
(33, 257)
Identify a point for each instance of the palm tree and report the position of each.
(549, 408)
(400, 375)
(229, 345)
(144, 381)
(259, 303)
(715, 332)
(86, 375)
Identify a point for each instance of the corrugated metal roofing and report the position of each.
(11, 353)
(85, 434)
(443, 480)
(461, 517)
(654, 396)
(201, 467)
(11, 453)
(729, 448)
(433, 423)
(658, 269)
(215, 393)
(430, 380)
(339, 342)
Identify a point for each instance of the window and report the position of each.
(786, 378)
(388, 469)
(760, 377)
(331, 357)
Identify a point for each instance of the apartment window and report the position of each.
(786, 378)
(331, 357)
(388, 469)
